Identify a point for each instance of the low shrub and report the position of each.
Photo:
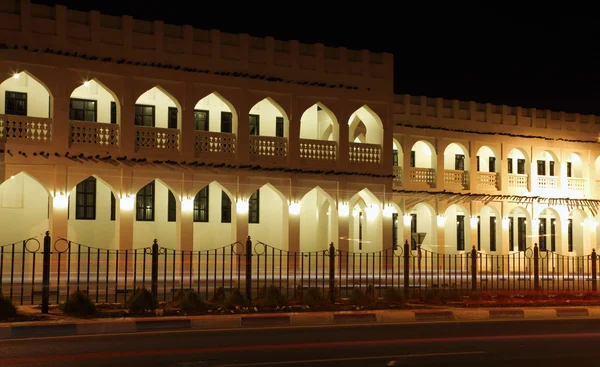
(78, 304)
(191, 302)
(393, 295)
(236, 298)
(141, 300)
(7, 309)
(359, 298)
(272, 297)
(313, 297)
(219, 297)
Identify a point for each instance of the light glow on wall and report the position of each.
(60, 201)
(441, 220)
(16, 75)
(372, 211)
(126, 202)
(343, 209)
(388, 210)
(187, 205)
(505, 222)
(86, 83)
(242, 206)
(294, 208)
(474, 221)
(407, 219)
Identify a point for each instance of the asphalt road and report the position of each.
(502, 343)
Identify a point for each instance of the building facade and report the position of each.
(117, 131)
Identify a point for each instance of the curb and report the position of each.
(210, 322)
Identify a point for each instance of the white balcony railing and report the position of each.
(547, 182)
(321, 150)
(365, 153)
(25, 128)
(576, 184)
(94, 133)
(487, 180)
(422, 175)
(268, 146)
(516, 180)
(455, 177)
(156, 138)
(209, 142)
(397, 175)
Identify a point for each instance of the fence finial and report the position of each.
(593, 251)
(535, 244)
(47, 233)
(155, 241)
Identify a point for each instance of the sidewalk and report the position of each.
(74, 326)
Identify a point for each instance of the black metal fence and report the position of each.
(34, 271)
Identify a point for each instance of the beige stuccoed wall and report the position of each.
(24, 205)
(95, 91)
(37, 96)
(272, 220)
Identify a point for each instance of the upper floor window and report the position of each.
(15, 103)
(144, 115)
(201, 120)
(113, 113)
(254, 121)
(395, 158)
(83, 110)
(459, 162)
(172, 122)
(113, 206)
(279, 127)
(201, 206)
(226, 122)
(85, 199)
(145, 203)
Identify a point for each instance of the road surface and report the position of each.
(569, 342)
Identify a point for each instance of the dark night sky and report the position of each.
(481, 54)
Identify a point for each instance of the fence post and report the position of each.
(474, 268)
(406, 270)
(331, 273)
(536, 267)
(249, 269)
(155, 270)
(46, 274)
(594, 274)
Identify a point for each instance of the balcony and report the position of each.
(516, 180)
(156, 138)
(268, 148)
(365, 153)
(94, 134)
(456, 177)
(487, 180)
(397, 172)
(214, 144)
(25, 129)
(576, 184)
(318, 151)
(547, 182)
(422, 175)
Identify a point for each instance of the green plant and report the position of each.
(359, 298)
(236, 298)
(313, 297)
(78, 304)
(7, 309)
(141, 300)
(191, 302)
(219, 296)
(272, 297)
(393, 295)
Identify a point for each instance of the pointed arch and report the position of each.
(372, 122)
(214, 105)
(451, 152)
(105, 100)
(318, 220)
(424, 154)
(268, 111)
(29, 96)
(487, 159)
(319, 126)
(153, 107)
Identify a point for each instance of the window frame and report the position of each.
(85, 199)
(254, 208)
(201, 214)
(223, 121)
(172, 111)
(85, 101)
(141, 213)
(225, 208)
(206, 120)
(171, 207)
(136, 114)
(24, 101)
(256, 125)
